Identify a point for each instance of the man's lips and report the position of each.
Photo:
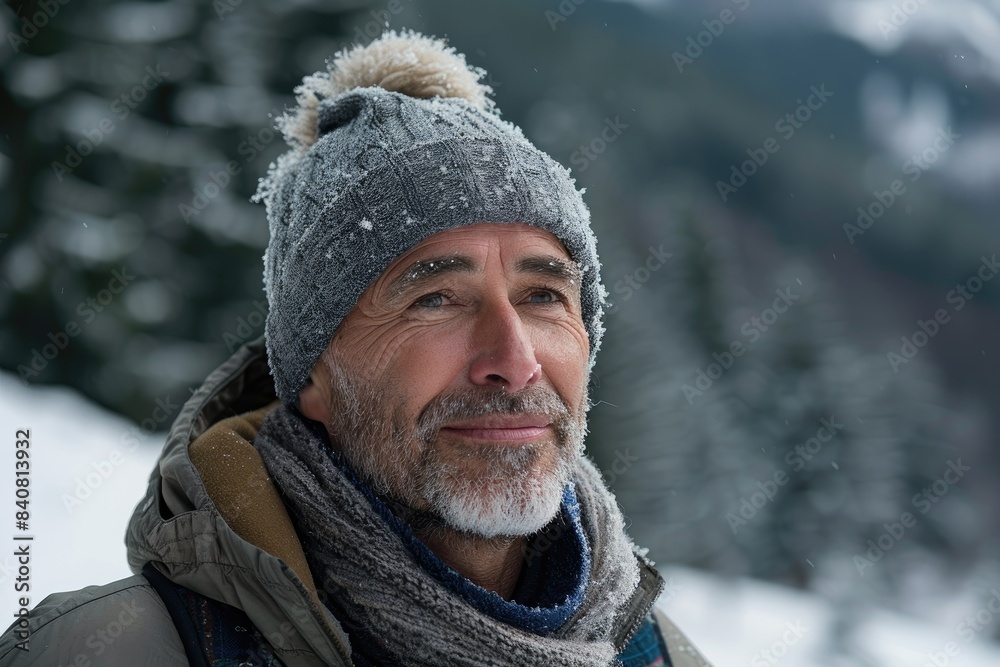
(501, 428)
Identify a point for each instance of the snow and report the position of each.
(732, 621)
(78, 528)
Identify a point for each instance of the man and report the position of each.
(399, 477)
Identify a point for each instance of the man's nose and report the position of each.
(505, 355)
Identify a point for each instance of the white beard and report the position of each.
(520, 502)
(510, 496)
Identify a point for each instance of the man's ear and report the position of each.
(314, 399)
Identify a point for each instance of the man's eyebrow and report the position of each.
(553, 267)
(422, 271)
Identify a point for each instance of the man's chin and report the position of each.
(515, 511)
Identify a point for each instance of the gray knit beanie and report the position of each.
(396, 142)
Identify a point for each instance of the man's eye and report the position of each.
(431, 301)
(544, 296)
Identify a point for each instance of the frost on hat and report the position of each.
(397, 141)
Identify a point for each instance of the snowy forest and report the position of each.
(796, 206)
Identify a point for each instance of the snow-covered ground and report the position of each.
(89, 468)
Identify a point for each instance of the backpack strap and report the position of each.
(214, 634)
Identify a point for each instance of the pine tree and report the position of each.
(139, 132)
(787, 457)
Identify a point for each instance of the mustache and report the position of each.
(481, 402)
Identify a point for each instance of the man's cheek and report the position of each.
(565, 366)
(426, 361)
(565, 338)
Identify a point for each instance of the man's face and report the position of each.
(458, 383)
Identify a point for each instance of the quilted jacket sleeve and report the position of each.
(122, 623)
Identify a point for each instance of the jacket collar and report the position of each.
(181, 530)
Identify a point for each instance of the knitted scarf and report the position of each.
(372, 576)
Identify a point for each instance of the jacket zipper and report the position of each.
(318, 613)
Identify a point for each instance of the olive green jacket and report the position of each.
(211, 521)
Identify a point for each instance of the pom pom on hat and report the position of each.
(406, 62)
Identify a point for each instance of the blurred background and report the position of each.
(796, 207)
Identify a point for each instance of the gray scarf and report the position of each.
(373, 584)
